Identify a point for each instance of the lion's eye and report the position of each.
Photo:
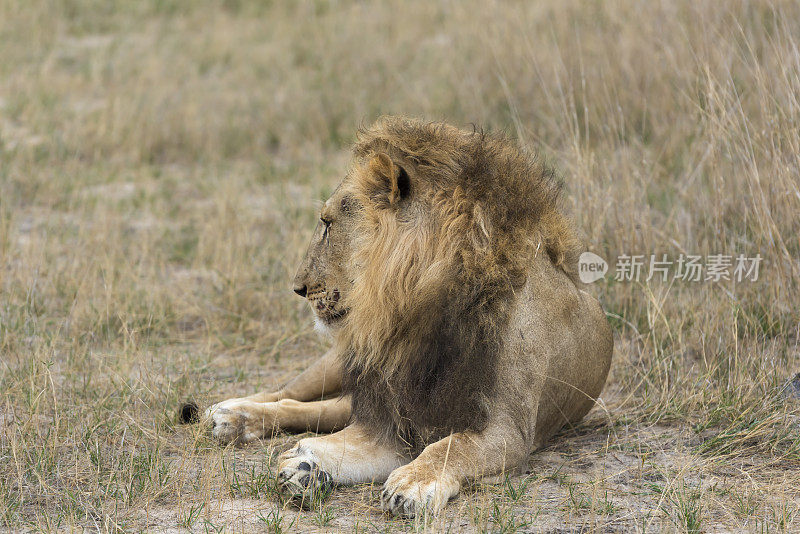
(327, 223)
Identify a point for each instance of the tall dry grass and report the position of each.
(161, 164)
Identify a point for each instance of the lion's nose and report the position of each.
(301, 290)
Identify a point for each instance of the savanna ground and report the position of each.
(161, 167)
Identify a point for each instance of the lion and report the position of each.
(445, 274)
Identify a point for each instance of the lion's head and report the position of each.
(424, 207)
(329, 272)
(416, 257)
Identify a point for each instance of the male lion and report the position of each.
(462, 340)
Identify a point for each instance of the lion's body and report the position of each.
(483, 228)
(462, 338)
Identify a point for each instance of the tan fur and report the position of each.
(446, 273)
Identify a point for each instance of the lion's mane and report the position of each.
(435, 277)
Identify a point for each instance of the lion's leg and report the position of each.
(436, 475)
(350, 456)
(242, 421)
(323, 377)
(258, 412)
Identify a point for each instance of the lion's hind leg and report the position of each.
(308, 470)
(243, 420)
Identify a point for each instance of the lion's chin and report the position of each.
(321, 328)
(327, 324)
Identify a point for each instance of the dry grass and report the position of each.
(160, 167)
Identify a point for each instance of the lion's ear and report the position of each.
(393, 181)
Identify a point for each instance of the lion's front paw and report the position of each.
(301, 479)
(238, 421)
(412, 490)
